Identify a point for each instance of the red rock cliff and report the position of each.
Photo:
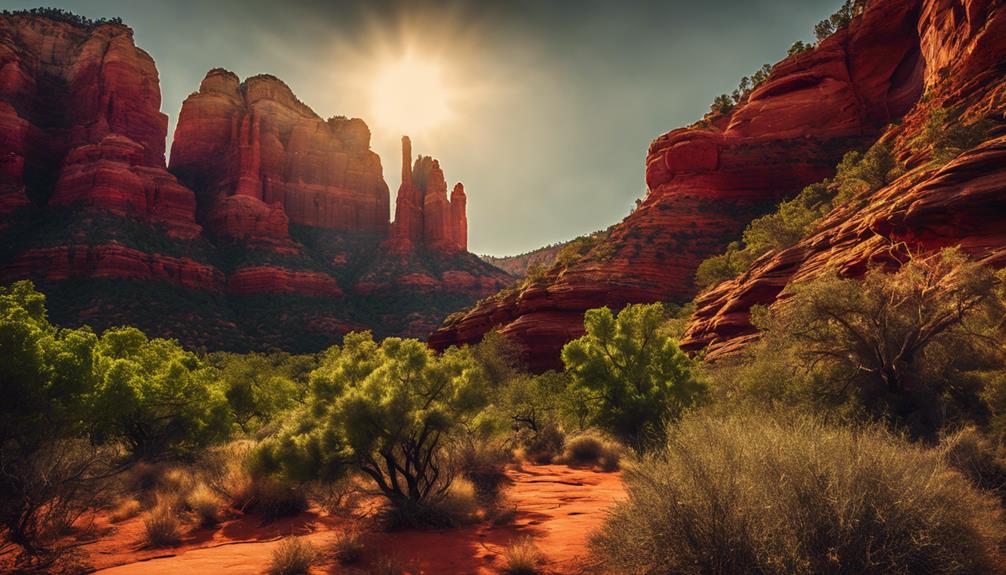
(958, 204)
(424, 216)
(259, 158)
(112, 237)
(706, 182)
(81, 123)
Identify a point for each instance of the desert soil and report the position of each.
(558, 506)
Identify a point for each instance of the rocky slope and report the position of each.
(934, 205)
(519, 265)
(80, 111)
(707, 181)
(269, 229)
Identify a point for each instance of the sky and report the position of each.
(552, 105)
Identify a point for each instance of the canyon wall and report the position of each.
(258, 158)
(708, 181)
(268, 230)
(81, 124)
(933, 205)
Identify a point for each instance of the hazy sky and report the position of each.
(554, 103)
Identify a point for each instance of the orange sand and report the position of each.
(556, 505)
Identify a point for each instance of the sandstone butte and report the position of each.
(706, 182)
(262, 198)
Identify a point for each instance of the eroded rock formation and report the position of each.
(960, 203)
(259, 158)
(271, 237)
(425, 218)
(707, 181)
(81, 124)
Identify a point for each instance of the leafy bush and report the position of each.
(387, 410)
(533, 402)
(580, 247)
(162, 525)
(724, 103)
(155, 396)
(293, 556)
(633, 377)
(523, 558)
(259, 386)
(756, 495)
(799, 47)
(47, 471)
(483, 463)
(544, 445)
(593, 449)
(891, 344)
(948, 136)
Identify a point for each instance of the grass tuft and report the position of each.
(293, 556)
(523, 558)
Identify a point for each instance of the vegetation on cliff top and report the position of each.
(60, 15)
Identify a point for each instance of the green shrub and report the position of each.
(387, 410)
(840, 19)
(533, 402)
(483, 462)
(592, 449)
(61, 15)
(856, 175)
(632, 375)
(543, 446)
(48, 377)
(949, 137)
(274, 498)
(259, 386)
(904, 346)
(756, 495)
(155, 396)
(799, 47)
(293, 556)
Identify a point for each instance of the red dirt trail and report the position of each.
(558, 506)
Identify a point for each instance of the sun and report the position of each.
(410, 95)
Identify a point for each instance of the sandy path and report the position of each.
(557, 505)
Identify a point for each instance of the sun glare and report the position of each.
(409, 95)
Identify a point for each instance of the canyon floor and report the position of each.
(558, 506)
